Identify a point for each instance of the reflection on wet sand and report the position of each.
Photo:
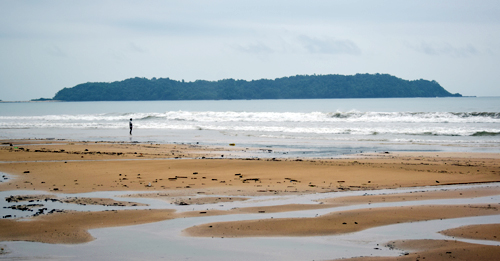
(279, 208)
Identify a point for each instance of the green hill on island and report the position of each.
(294, 87)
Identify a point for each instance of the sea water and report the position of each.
(314, 127)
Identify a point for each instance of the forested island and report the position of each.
(294, 87)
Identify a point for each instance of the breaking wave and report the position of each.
(232, 116)
(449, 124)
(486, 133)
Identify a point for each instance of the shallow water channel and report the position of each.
(164, 240)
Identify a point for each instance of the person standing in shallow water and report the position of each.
(130, 125)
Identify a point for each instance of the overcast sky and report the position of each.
(48, 45)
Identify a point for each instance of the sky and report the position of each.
(49, 45)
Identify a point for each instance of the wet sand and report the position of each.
(337, 222)
(72, 200)
(439, 250)
(80, 169)
(186, 200)
(72, 227)
(482, 232)
(413, 196)
(180, 173)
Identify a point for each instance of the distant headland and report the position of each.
(294, 87)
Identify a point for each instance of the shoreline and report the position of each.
(200, 175)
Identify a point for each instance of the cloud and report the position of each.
(136, 48)
(301, 44)
(55, 51)
(328, 45)
(111, 40)
(438, 49)
(258, 48)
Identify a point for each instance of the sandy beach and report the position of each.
(244, 130)
(190, 174)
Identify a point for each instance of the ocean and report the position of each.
(312, 128)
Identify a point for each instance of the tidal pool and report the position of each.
(165, 240)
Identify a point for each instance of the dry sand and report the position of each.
(181, 171)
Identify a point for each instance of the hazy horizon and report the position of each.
(46, 46)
